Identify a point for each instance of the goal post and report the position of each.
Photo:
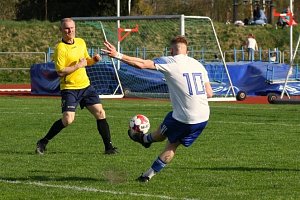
(292, 74)
(149, 40)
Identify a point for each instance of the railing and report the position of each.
(25, 53)
(138, 52)
(234, 55)
(204, 55)
(12, 63)
(15, 66)
(259, 55)
(274, 75)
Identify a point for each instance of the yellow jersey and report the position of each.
(66, 55)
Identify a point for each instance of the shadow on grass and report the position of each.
(245, 169)
(50, 152)
(47, 178)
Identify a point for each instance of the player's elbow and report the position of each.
(209, 91)
(209, 94)
(60, 74)
(145, 64)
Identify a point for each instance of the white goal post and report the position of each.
(148, 37)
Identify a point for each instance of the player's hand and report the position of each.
(110, 49)
(96, 57)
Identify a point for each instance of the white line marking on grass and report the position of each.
(244, 107)
(256, 123)
(30, 113)
(88, 189)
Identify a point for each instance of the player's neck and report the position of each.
(70, 41)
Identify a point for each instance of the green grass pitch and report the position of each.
(246, 152)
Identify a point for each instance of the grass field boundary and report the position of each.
(246, 152)
(87, 189)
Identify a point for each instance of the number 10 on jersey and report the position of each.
(194, 79)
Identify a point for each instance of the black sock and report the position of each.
(53, 131)
(104, 131)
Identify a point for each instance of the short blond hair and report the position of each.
(67, 19)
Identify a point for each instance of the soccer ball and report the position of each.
(139, 124)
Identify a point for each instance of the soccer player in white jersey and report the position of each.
(189, 89)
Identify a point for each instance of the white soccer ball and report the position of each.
(139, 124)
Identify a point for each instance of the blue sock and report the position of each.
(148, 138)
(158, 165)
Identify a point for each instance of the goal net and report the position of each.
(148, 37)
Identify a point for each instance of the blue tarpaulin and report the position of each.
(255, 78)
(44, 79)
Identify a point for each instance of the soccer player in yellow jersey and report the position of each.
(70, 58)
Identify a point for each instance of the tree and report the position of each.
(141, 7)
(54, 10)
(57, 9)
(8, 10)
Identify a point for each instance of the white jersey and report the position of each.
(252, 43)
(185, 78)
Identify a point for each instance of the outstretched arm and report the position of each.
(133, 61)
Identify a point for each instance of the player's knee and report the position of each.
(101, 114)
(167, 158)
(67, 120)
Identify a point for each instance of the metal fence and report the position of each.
(204, 55)
(15, 66)
(12, 63)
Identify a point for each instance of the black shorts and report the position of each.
(84, 97)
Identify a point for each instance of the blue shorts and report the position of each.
(176, 131)
(84, 97)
